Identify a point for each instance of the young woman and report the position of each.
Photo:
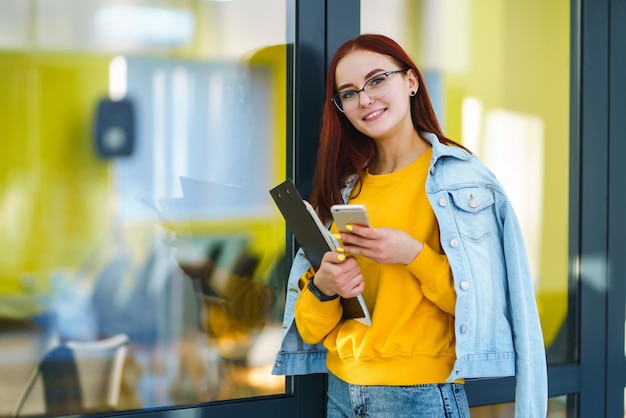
(442, 269)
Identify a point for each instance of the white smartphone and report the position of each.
(349, 214)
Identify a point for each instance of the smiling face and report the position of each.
(381, 117)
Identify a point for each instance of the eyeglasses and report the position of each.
(376, 87)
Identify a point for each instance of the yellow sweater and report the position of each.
(411, 340)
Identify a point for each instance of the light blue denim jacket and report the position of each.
(496, 322)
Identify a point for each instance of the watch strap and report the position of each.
(318, 293)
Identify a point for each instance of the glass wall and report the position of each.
(139, 141)
(498, 74)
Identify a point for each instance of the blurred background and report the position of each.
(138, 142)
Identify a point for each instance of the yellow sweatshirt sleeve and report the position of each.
(315, 319)
(434, 273)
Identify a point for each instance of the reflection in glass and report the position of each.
(135, 166)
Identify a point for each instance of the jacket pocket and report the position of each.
(474, 212)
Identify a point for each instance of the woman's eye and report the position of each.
(347, 95)
(376, 81)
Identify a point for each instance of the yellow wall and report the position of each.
(53, 190)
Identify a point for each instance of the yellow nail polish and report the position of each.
(337, 236)
(349, 228)
(340, 250)
(341, 257)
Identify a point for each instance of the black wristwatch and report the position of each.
(318, 293)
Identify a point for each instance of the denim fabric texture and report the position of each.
(482, 239)
(447, 400)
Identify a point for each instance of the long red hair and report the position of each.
(344, 151)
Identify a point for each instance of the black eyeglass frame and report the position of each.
(337, 100)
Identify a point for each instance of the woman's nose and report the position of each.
(365, 99)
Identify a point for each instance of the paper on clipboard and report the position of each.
(314, 239)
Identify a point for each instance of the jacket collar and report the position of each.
(441, 150)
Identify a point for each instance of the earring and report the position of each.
(412, 93)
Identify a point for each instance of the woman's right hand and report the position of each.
(340, 275)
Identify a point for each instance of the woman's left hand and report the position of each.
(382, 245)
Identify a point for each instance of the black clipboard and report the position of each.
(313, 237)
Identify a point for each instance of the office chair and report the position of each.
(76, 377)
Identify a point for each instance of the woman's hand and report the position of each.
(340, 275)
(382, 245)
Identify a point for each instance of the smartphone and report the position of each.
(349, 214)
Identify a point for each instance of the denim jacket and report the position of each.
(496, 321)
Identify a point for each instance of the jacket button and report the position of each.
(464, 285)
(454, 243)
(463, 328)
(443, 202)
(432, 170)
(279, 364)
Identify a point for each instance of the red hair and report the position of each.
(344, 151)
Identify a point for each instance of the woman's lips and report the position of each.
(373, 114)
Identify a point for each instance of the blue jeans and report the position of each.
(447, 400)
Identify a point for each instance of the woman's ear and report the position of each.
(413, 82)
